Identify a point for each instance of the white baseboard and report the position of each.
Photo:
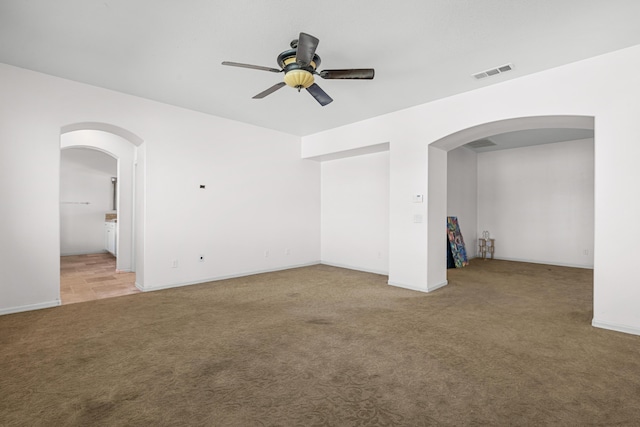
(218, 278)
(30, 307)
(402, 285)
(559, 264)
(351, 267)
(413, 288)
(438, 286)
(615, 327)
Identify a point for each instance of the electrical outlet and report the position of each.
(287, 252)
(585, 252)
(174, 263)
(266, 254)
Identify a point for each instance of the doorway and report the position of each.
(88, 215)
(107, 267)
(517, 179)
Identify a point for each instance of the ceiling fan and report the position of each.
(299, 65)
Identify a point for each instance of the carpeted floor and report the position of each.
(504, 343)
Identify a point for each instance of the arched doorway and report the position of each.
(438, 179)
(126, 222)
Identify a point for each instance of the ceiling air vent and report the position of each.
(493, 71)
(481, 143)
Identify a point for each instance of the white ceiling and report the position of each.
(422, 50)
(527, 138)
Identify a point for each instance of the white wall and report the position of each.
(139, 213)
(355, 212)
(462, 194)
(85, 177)
(537, 202)
(260, 195)
(586, 88)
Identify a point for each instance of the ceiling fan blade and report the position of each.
(253, 67)
(307, 45)
(269, 91)
(355, 73)
(320, 95)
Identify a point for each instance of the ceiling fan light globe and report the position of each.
(299, 79)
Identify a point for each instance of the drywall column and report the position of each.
(139, 213)
(407, 220)
(616, 294)
(437, 219)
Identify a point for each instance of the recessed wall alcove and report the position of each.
(438, 183)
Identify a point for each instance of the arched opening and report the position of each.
(540, 171)
(121, 225)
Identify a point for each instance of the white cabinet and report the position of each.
(110, 231)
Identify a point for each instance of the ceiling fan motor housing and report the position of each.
(296, 75)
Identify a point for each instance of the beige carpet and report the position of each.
(503, 344)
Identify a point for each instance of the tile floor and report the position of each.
(90, 277)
